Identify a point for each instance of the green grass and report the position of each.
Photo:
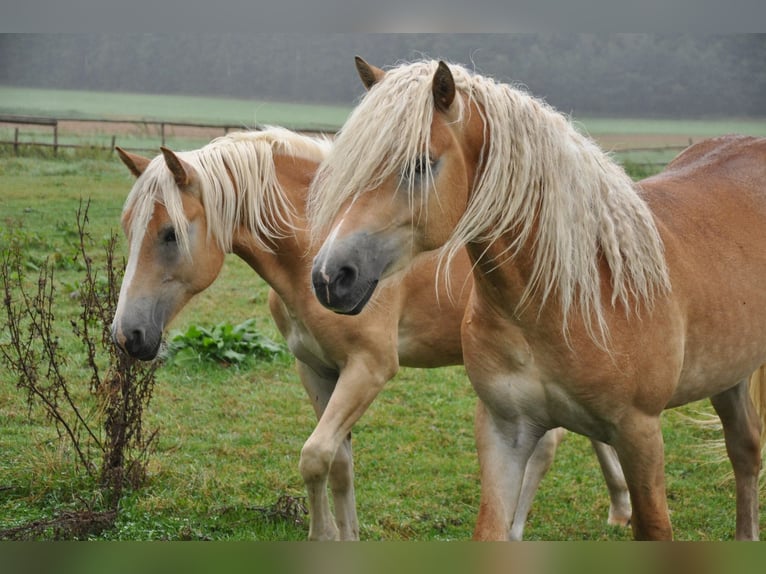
(114, 105)
(230, 437)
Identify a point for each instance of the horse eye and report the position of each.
(169, 236)
(419, 167)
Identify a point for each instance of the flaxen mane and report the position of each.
(536, 164)
(237, 185)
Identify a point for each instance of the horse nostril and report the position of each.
(346, 277)
(135, 340)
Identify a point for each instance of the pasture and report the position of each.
(226, 459)
(247, 113)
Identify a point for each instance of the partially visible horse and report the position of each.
(597, 302)
(246, 193)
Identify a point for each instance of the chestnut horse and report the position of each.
(246, 193)
(597, 302)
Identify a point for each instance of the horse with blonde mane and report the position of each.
(597, 302)
(246, 194)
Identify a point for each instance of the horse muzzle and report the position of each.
(137, 341)
(341, 291)
(346, 272)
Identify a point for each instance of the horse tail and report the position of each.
(757, 388)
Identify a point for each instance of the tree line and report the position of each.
(641, 75)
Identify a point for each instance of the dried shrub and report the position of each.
(111, 444)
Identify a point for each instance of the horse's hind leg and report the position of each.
(619, 497)
(541, 461)
(538, 464)
(742, 428)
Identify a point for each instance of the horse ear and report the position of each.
(177, 166)
(136, 163)
(443, 87)
(369, 74)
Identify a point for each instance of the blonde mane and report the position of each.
(237, 183)
(539, 173)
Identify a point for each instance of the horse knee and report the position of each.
(315, 461)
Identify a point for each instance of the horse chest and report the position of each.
(514, 380)
(522, 393)
(307, 349)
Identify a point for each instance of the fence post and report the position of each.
(16, 141)
(162, 132)
(56, 138)
(114, 140)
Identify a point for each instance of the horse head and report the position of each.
(171, 257)
(387, 194)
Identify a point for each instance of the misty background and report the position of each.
(636, 75)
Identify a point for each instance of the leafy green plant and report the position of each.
(224, 343)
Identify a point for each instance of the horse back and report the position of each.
(714, 190)
(710, 208)
(734, 157)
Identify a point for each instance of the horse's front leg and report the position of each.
(327, 452)
(504, 449)
(742, 429)
(640, 448)
(321, 523)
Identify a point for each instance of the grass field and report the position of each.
(77, 104)
(230, 437)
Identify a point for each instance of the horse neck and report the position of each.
(571, 231)
(484, 257)
(287, 265)
(502, 280)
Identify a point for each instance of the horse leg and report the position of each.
(327, 452)
(742, 428)
(640, 448)
(321, 523)
(538, 464)
(619, 497)
(342, 487)
(504, 449)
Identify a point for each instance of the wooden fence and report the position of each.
(205, 132)
(161, 128)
